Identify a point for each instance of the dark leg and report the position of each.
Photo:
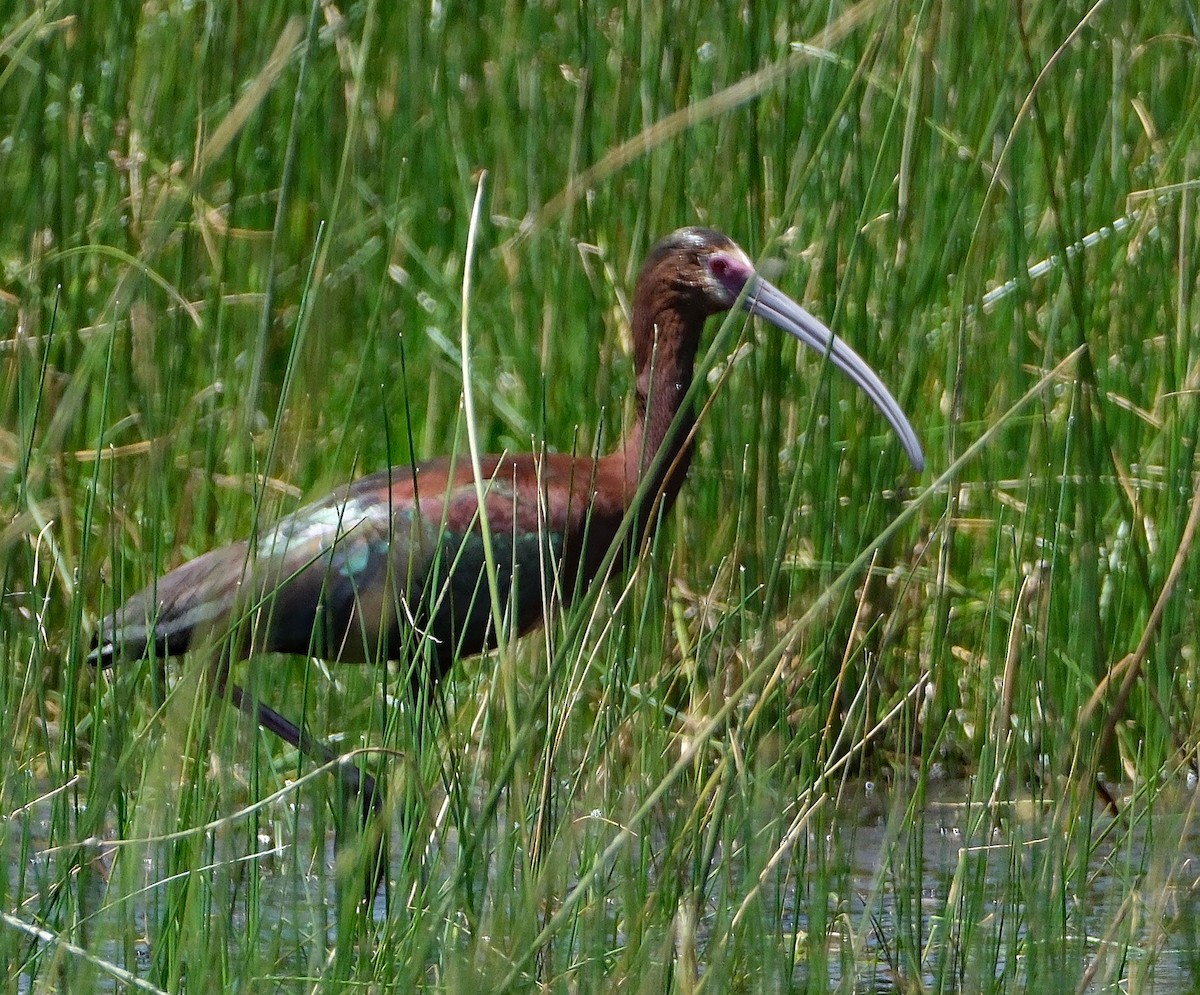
(353, 780)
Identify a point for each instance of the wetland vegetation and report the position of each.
(841, 728)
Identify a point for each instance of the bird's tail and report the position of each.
(196, 598)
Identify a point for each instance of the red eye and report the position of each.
(719, 266)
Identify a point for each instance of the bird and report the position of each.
(393, 566)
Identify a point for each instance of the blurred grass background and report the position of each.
(231, 279)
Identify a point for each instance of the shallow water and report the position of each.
(987, 894)
(1004, 890)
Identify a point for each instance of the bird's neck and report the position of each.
(656, 445)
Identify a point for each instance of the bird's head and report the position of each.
(697, 272)
(696, 269)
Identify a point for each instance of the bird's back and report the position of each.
(385, 566)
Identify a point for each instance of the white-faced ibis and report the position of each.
(392, 566)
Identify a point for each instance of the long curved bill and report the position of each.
(771, 303)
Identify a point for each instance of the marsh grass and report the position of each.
(232, 278)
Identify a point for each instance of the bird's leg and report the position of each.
(361, 784)
(352, 778)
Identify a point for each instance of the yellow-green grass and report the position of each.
(232, 260)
